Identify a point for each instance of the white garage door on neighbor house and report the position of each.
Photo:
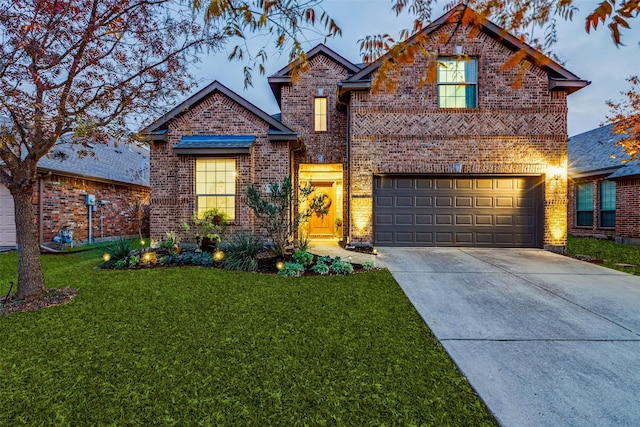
(7, 218)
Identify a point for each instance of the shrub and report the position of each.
(292, 269)
(204, 259)
(242, 252)
(303, 257)
(209, 224)
(134, 260)
(341, 267)
(171, 242)
(368, 265)
(272, 210)
(118, 250)
(321, 268)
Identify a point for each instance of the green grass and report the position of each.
(609, 251)
(195, 346)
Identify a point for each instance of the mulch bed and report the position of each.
(52, 297)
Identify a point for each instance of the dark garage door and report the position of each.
(455, 211)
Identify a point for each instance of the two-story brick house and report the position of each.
(467, 160)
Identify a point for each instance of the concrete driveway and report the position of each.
(545, 340)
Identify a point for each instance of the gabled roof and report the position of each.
(118, 162)
(595, 153)
(283, 76)
(559, 77)
(157, 129)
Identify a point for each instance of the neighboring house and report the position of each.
(465, 161)
(604, 190)
(118, 178)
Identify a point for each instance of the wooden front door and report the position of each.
(323, 225)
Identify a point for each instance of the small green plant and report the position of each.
(209, 224)
(117, 251)
(121, 263)
(321, 268)
(292, 269)
(203, 259)
(325, 259)
(303, 257)
(134, 260)
(303, 241)
(368, 265)
(171, 242)
(341, 267)
(242, 252)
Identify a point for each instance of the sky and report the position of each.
(592, 57)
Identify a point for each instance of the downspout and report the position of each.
(40, 209)
(348, 219)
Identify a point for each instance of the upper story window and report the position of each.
(457, 83)
(320, 114)
(216, 185)
(607, 204)
(584, 204)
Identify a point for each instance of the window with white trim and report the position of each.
(216, 185)
(457, 83)
(607, 204)
(320, 114)
(584, 204)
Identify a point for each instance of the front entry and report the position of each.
(322, 220)
(325, 221)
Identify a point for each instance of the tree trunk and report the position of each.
(30, 276)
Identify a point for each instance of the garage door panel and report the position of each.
(484, 219)
(404, 201)
(424, 201)
(444, 202)
(444, 238)
(501, 220)
(424, 219)
(458, 211)
(464, 238)
(484, 202)
(464, 219)
(384, 219)
(384, 201)
(464, 183)
(424, 183)
(464, 202)
(504, 202)
(444, 184)
(404, 219)
(486, 184)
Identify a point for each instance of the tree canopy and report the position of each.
(80, 68)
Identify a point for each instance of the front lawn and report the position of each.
(198, 346)
(617, 256)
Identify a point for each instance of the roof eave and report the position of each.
(594, 172)
(211, 151)
(567, 85)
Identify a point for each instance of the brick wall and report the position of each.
(297, 105)
(64, 205)
(628, 208)
(172, 177)
(513, 131)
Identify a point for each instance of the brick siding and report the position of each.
(513, 131)
(172, 180)
(628, 208)
(64, 206)
(328, 147)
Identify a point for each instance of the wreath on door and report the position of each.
(320, 203)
